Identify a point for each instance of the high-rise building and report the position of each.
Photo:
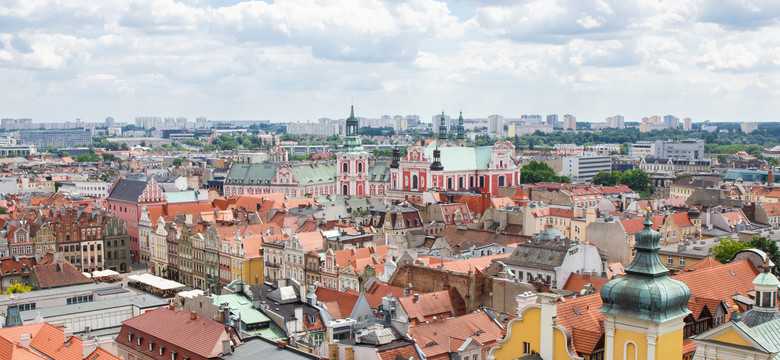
(412, 120)
(687, 124)
(615, 122)
(495, 124)
(552, 119)
(569, 122)
(671, 122)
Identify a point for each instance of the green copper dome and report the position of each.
(646, 291)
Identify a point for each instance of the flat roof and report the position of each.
(58, 292)
(143, 301)
(156, 281)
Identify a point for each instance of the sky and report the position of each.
(300, 60)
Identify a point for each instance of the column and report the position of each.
(651, 346)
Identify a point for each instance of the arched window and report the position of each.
(345, 190)
(481, 181)
(449, 183)
(345, 167)
(501, 181)
(629, 351)
(461, 183)
(471, 181)
(414, 181)
(360, 167)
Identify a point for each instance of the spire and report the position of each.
(396, 157)
(646, 291)
(352, 142)
(461, 131)
(442, 128)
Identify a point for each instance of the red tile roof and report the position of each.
(577, 282)
(476, 265)
(51, 342)
(582, 313)
(57, 275)
(443, 337)
(382, 289)
(771, 209)
(439, 304)
(403, 352)
(721, 282)
(633, 225)
(339, 304)
(707, 263)
(201, 336)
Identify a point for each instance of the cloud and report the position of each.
(741, 14)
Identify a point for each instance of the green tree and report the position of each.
(727, 248)
(17, 288)
(228, 145)
(770, 248)
(110, 157)
(637, 180)
(65, 154)
(683, 176)
(3, 210)
(607, 178)
(177, 162)
(87, 157)
(537, 171)
(773, 161)
(624, 148)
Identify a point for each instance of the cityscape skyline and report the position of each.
(257, 60)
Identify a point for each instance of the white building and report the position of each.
(683, 149)
(749, 127)
(436, 122)
(615, 122)
(316, 129)
(582, 169)
(604, 149)
(89, 188)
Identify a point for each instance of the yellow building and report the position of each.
(644, 315)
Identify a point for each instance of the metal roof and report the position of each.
(143, 301)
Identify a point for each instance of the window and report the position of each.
(669, 260)
(501, 180)
(682, 261)
(526, 348)
(140, 338)
(129, 337)
(151, 345)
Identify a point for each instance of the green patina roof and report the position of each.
(379, 172)
(766, 279)
(646, 291)
(242, 306)
(456, 158)
(767, 334)
(181, 196)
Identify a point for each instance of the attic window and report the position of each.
(129, 336)
(577, 311)
(478, 332)
(432, 343)
(732, 273)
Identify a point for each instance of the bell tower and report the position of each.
(352, 161)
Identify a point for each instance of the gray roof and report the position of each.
(545, 256)
(63, 292)
(128, 190)
(254, 348)
(143, 301)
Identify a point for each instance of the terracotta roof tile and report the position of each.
(201, 336)
(577, 282)
(382, 289)
(707, 263)
(51, 342)
(404, 352)
(445, 336)
(633, 225)
(476, 265)
(440, 303)
(339, 304)
(57, 275)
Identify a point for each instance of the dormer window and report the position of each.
(129, 337)
(161, 348)
(140, 338)
(151, 345)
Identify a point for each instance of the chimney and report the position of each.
(193, 315)
(68, 333)
(88, 347)
(24, 341)
(549, 308)
(416, 297)
(226, 348)
(106, 344)
(221, 316)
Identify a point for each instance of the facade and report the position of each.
(116, 244)
(453, 168)
(569, 122)
(582, 169)
(126, 200)
(495, 124)
(55, 139)
(90, 188)
(316, 129)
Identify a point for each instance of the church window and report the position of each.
(461, 182)
(501, 180)
(345, 167)
(360, 167)
(449, 183)
(414, 182)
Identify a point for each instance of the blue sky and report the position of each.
(298, 60)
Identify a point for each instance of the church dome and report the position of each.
(694, 213)
(646, 291)
(765, 306)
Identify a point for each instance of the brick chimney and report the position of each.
(193, 315)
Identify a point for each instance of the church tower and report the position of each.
(352, 161)
(442, 129)
(461, 139)
(645, 309)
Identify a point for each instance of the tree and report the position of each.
(65, 154)
(228, 145)
(770, 248)
(637, 180)
(683, 176)
(87, 157)
(18, 288)
(624, 148)
(3, 210)
(727, 248)
(773, 161)
(110, 157)
(537, 171)
(177, 162)
(607, 178)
